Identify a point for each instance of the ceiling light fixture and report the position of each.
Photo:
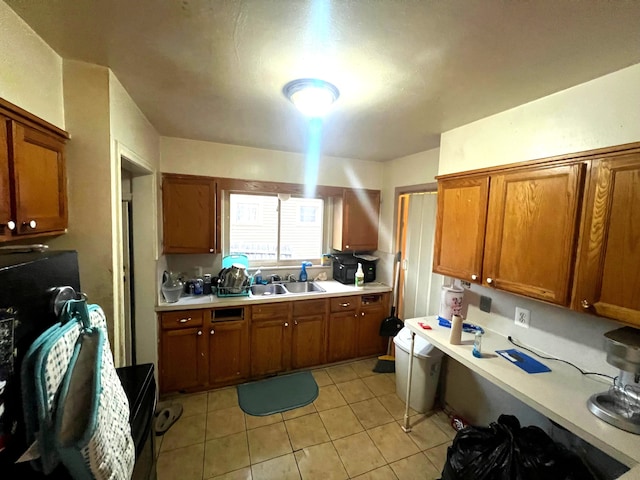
(312, 96)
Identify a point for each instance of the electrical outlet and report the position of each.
(465, 284)
(523, 317)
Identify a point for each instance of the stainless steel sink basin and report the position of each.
(270, 289)
(304, 287)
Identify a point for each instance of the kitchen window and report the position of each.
(275, 230)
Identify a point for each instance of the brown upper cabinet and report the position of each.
(190, 214)
(33, 194)
(608, 273)
(513, 230)
(355, 220)
(565, 230)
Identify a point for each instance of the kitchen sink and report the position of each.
(304, 287)
(270, 289)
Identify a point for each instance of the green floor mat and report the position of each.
(277, 394)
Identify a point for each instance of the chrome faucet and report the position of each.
(291, 278)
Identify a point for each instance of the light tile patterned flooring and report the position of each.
(352, 430)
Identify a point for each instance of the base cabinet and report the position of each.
(183, 355)
(211, 348)
(228, 352)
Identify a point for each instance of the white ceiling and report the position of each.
(407, 70)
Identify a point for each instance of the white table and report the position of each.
(560, 395)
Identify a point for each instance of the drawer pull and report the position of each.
(11, 225)
(212, 332)
(489, 280)
(184, 320)
(199, 332)
(31, 224)
(286, 324)
(295, 322)
(345, 305)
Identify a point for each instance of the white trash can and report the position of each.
(426, 370)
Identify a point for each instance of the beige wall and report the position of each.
(599, 113)
(30, 71)
(233, 161)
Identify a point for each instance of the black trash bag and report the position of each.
(505, 451)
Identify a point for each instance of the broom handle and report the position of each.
(396, 282)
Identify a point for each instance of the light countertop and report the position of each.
(561, 395)
(332, 289)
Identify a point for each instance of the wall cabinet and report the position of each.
(190, 214)
(355, 220)
(608, 277)
(513, 230)
(33, 195)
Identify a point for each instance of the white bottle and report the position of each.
(455, 338)
(359, 277)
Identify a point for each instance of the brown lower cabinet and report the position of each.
(211, 348)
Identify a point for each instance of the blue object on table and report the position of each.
(524, 361)
(466, 327)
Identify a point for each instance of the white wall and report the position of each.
(30, 71)
(599, 113)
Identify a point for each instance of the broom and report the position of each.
(390, 326)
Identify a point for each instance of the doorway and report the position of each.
(128, 297)
(418, 287)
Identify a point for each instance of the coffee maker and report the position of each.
(620, 405)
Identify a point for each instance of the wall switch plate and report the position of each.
(523, 317)
(485, 304)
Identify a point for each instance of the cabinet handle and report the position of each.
(489, 280)
(31, 224)
(346, 246)
(199, 332)
(184, 320)
(212, 332)
(474, 277)
(585, 304)
(286, 324)
(11, 225)
(211, 250)
(362, 313)
(345, 305)
(295, 322)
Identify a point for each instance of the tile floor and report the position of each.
(352, 430)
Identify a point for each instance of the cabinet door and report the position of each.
(183, 359)
(39, 180)
(460, 227)
(532, 229)
(343, 336)
(189, 214)
(270, 346)
(307, 343)
(373, 310)
(228, 352)
(5, 194)
(608, 277)
(356, 218)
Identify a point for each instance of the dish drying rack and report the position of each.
(233, 292)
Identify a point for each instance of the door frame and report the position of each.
(399, 241)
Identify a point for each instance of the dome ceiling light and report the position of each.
(313, 97)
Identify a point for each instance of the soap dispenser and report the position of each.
(303, 273)
(359, 277)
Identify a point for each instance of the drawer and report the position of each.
(372, 299)
(270, 311)
(309, 307)
(344, 304)
(182, 319)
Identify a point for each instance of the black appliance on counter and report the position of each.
(26, 284)
(346, 265)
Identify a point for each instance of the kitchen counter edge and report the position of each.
(332, 289)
